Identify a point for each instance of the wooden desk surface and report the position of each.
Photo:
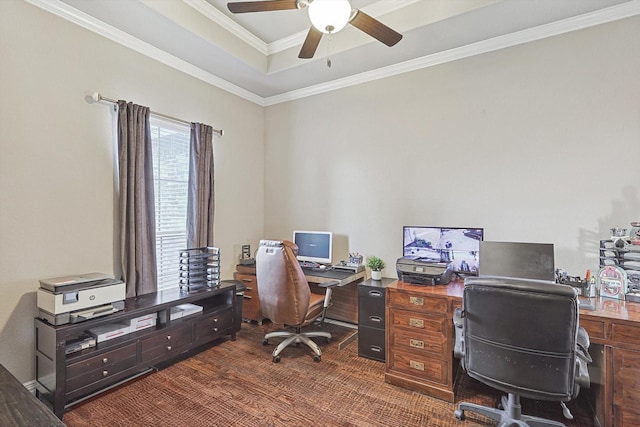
(606, 308)
(18, 407)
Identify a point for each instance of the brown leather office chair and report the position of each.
(285, 297)
(522, 337)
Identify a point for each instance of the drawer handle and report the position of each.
(215, 320)
(375, 319)
(375, 348)
(416, 365)
(168, 337)
(416, 300)
(247, 296)
(247, 280)
(105, 373)
(105, 360)
(248, 289)
(416, 323)
(215, 329)
(375, 293)
(168, 348)
(416, 343)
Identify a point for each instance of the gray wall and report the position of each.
(535, 143)
(57, 158)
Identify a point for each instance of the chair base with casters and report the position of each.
(510, 415)
(296, 337)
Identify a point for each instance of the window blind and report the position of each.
(170, 145)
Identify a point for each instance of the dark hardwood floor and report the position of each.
(235, 383)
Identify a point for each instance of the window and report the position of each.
(170, 145)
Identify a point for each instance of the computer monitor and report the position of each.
(457, 245)
(314, 246)
(521, 260)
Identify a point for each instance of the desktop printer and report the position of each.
(421, 272)
(72, 299)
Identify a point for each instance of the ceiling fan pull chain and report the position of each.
(328, 51)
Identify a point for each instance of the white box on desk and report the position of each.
(143, 322)
(110, 331)
(189, 309)
(174, 313)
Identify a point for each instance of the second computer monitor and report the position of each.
(314, 246)
(514, 259)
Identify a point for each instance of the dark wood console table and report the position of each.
(420, 341)
(64, 379)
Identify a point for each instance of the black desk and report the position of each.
(345, 277)
(20, 408)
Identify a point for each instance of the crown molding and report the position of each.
(613, 13)
(229, 24)
(603, 16)
(90, 23)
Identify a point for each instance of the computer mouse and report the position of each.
(323, 267)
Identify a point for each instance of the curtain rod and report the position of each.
(98, 97)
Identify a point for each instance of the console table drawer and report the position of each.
(407, 301)
(101, 361)
(103, 366)
(421, 367)
(166, 343)
(211, 327)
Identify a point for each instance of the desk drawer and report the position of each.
(371, 343)
(421, 303)
(595, 328)
(625, 333)
(422, 367)
(419, 342)
(422, 322)
(251, 299)
(250, 281)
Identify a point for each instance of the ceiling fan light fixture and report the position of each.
(329, 16)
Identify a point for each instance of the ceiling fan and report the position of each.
(327, 17)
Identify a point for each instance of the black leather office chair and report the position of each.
(285, 297)
(521, 337)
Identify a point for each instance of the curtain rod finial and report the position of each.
(96, 96)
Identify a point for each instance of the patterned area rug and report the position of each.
(235, 383)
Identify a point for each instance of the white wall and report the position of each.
(535, 143)
(57, 158)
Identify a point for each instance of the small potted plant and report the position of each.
(376, 265)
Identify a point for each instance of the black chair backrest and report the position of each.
(520, 336)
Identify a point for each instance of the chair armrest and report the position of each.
(583, 344)
(329, 284)
(458, 347)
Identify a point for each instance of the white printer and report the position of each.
(72, 299)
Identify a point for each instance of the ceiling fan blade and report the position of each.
(310, 43)
(261, 6)
(375, 28)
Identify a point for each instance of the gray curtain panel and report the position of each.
(200, 203)
(137, 209)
